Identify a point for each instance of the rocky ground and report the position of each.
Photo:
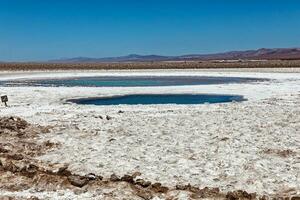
(24, 177)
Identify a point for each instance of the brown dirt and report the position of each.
(279, 152)
(17, 139)
(149, 65)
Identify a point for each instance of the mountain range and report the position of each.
(259, 54)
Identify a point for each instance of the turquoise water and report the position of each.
(146, 99)
(129, 81)
(142, 81)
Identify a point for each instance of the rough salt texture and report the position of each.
(252, 145)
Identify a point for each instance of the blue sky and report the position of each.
(49, 29)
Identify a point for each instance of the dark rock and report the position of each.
(49, 144)
(15, 156)
(194, 189)
(15, 124)
(3, 150)
(240, 194)
(209, 192)
(157, 187)
(29, 170)
(127, 178)
(99, 178)
(181, 187)
(33, 198)
(120, 111)
(9, 166)
(114, 178)
(191, 188)
(78, 181)
(224, 139)
(143, 183)
(136, 174)
(295, 198)
(108, 117)
(63, 170)
(91, 176)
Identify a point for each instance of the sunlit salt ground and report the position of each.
(230, 146)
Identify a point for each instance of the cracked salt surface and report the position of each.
(216, 145)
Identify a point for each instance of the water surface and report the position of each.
(146, 99)
(129, 81)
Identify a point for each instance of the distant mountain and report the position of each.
(129, 58)
(260, 54)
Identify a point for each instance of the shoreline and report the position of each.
(31, 74)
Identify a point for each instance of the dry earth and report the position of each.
(150, 65)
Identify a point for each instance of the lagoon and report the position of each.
(146, 99)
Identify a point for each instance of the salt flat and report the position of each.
(251, 145)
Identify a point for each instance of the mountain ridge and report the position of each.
(259, 54)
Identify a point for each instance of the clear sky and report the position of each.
(49, 29)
